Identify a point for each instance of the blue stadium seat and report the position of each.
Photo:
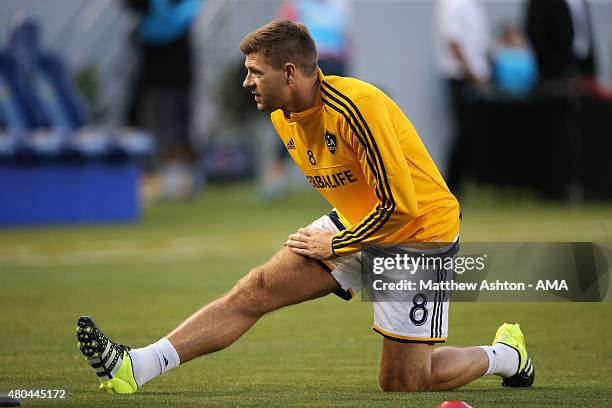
(49, 154)
(59, 117)
(13, 118)
(47, 132)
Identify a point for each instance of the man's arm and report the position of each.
(459, 55)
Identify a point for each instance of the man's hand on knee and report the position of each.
(312, 243)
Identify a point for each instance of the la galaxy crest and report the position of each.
(331, 142)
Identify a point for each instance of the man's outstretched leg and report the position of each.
(286, 279)
(419, 367)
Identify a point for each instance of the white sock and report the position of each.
(153, 360)
(503, 360)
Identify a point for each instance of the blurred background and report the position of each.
(505, 94)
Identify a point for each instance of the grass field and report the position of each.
(139, 281)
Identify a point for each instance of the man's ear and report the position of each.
(290, 71)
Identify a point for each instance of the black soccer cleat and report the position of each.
(111, 361)
(524, 378)
(512, 336)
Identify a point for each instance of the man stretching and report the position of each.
(359, 151)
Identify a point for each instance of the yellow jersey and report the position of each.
(362, 154)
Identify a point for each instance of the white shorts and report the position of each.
(424, 319)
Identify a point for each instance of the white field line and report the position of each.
(173, 250)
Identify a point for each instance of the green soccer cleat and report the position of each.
(512, 336)
(110, 361)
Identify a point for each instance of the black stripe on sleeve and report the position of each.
(358, 134)
(388, 206)
(373, 223)
(382, 214)
(378, 156)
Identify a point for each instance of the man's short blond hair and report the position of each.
(283, 41)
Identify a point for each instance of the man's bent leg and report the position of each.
(286, 279)
(453, 367)
(411, 367)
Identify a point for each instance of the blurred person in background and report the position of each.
(464, 43)
(514, 65)
(329, 23)
(561, 35)
(161, 95)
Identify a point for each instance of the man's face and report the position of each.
(268, 85)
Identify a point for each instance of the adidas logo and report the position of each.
(291, 144)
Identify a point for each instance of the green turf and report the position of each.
(322, 353)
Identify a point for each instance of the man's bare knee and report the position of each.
(252, 293)
(284, 280)
(405, 367)
(389, 383)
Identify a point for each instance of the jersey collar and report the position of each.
(299, 116)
